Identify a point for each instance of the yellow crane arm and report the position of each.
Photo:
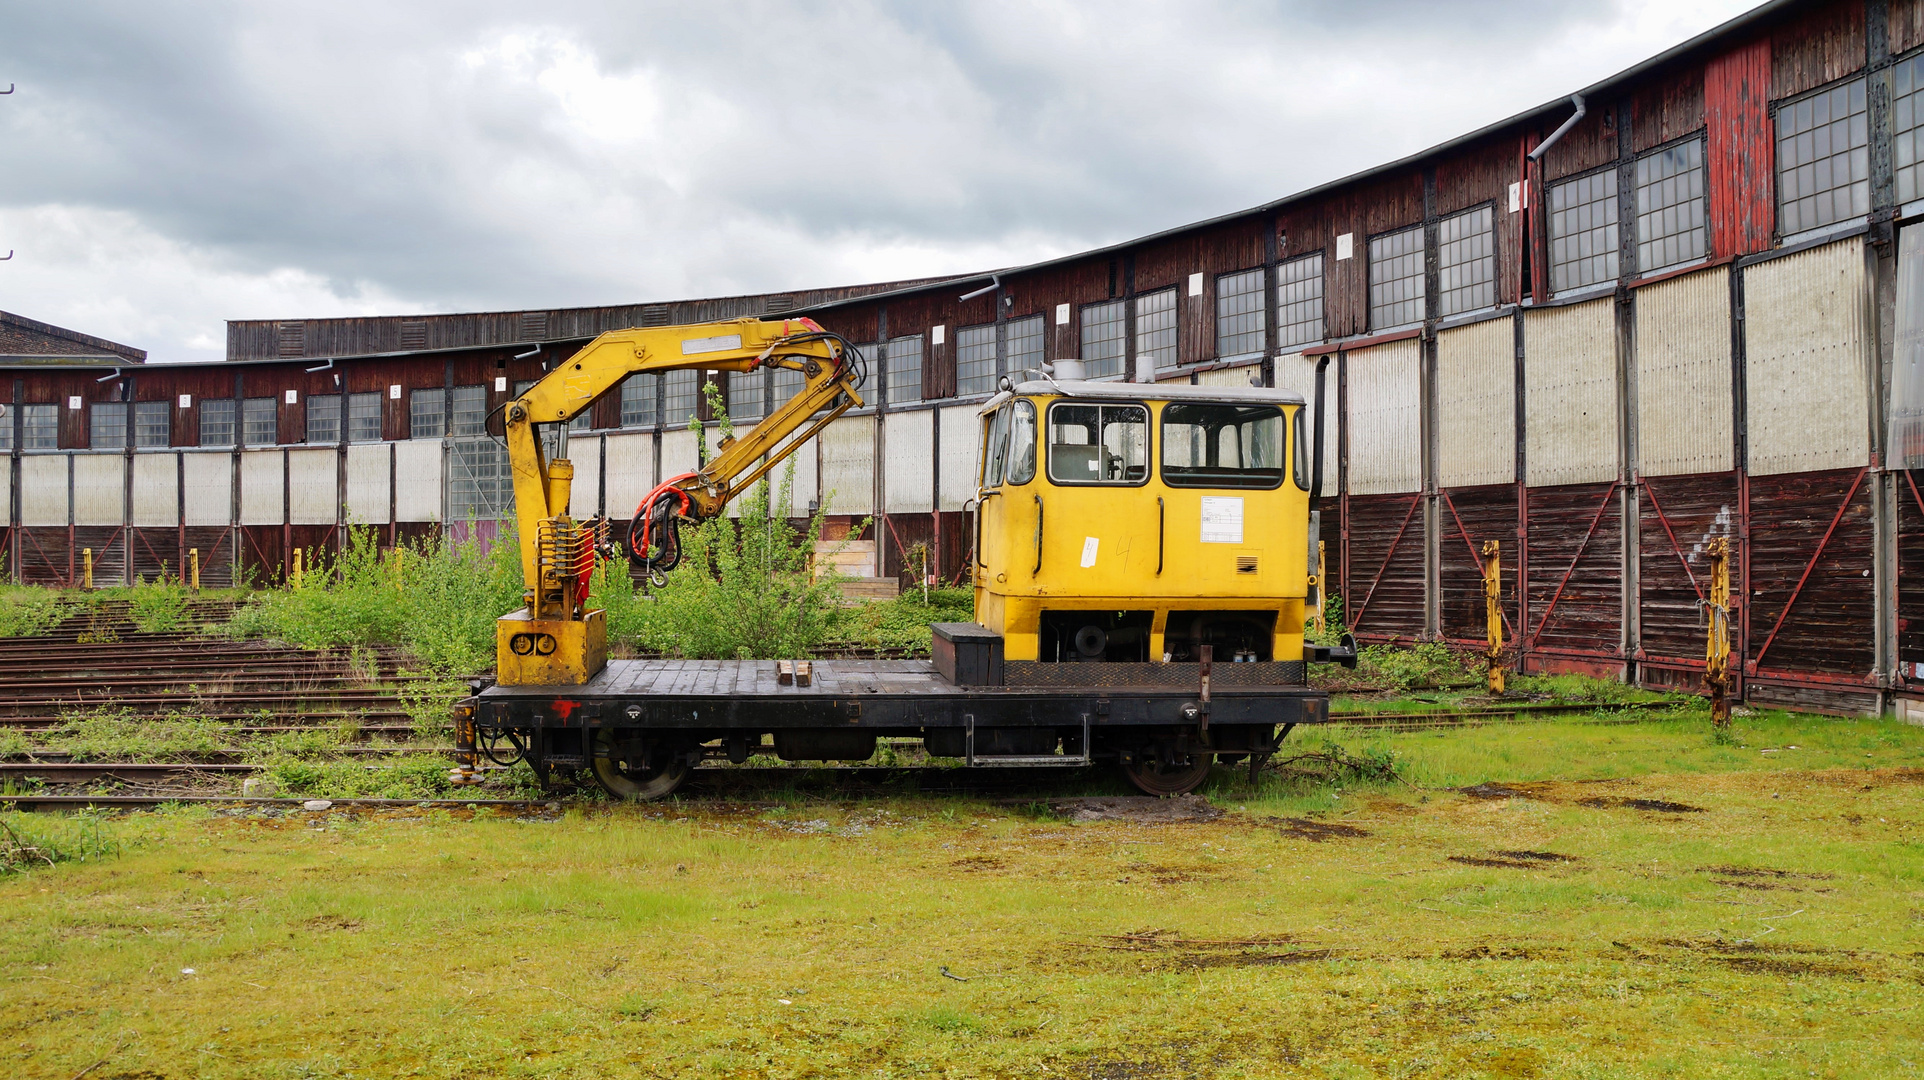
(832, 377)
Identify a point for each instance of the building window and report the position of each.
(1102, 338)
(638, 401)
(216, 422)
(1823, 159)
(1907, 127)
(364, 417)
(1156, 329)
(1466, 262)
(975, 360)
(153, 423)
(108, 425)
(324, 418)
(1024, 337)
(427, 413)
(788, 383)
(258, 421)
(1239, 314)
(1396, 279)
(6, 427)
(480, 480)
(1670, 207)
(1299, 301)
(684, 395)
(470, 410)
(42, 427)
(905, 369)
(1583, 231)
(745, 393)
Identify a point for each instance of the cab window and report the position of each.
(1222, 446)
(995, 447)
(1098, 444)
(1303, 448)
(1021, 441)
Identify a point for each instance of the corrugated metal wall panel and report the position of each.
(1831, 626)
(1576, 568)
(6, 499)
(1236, 376)
(961, 443)
(1570, 394)
(156, 489)
(631, 473)
(314, 489)
(1683, 375)
(43, 489)
(99, 489)
(1806, 356)
(584, 496)
(806, 487)
(1476, 404)
(1738, 151)
(1385, 419)
(368, 470)
(848, 465)
(209, 489)
(1298, 373)
(678, 454)
(261, 487)
(909, 470)
(418, 468)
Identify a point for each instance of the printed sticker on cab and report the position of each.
(1089, 544)
(1222, 519)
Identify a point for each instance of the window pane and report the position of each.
(746, 390)
(1299, 301)
(427, 414)
(1239, 314)
(480, 484)
(788, 383)
(995, 447)
(1583, 231)
(324, 418)
(1466, 261)
(905, 369)
(6, 427)
(258, 421)
(975, 360)
(1670, 207)
(1396, 279)
(684, 391)
(1822, 159)
(1024, 337)
(1156, 329)
(1231, 446)
(470, 410)
(638, 401)
(108, 428)
(1907, 126)
(364, 417)
(1102, 340)
(1098, 444)
(216, 422)
(1021, 442)
(153, 423)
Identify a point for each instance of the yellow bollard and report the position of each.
(87, 561)
(1717, 643)
(294, 571)
(193, 563)
(1493, 611)
(1316, 618)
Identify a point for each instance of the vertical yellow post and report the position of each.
(1717, 643)
(1316, 618)
(294, 570)
(1493, 610)
(193, 564)
(87, 562)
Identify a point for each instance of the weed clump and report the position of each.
(26, 611)
(1424, 665)
(30, 844)
(158, 606)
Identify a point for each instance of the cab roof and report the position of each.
(1125, 391)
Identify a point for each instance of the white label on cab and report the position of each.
(1222, 519)
(1089, 544)
(697, 346)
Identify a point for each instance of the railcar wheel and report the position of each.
(632, 770)
(1158, 771)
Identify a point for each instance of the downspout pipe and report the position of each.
(1316, 446)
(995, 282)
(1544, 146)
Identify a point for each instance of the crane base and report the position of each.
(550, 652)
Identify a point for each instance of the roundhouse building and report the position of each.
(1685, 303)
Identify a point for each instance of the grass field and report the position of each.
(1610, 900)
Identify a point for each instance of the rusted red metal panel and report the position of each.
(1471, 516)
(1385, 590)
(1811, 552)
(1575, 580)
(1823, 43)
(1668, 107)
(47, 556)
(263, 554)
(1226, 248)
(1739, 151)
(157, 552)
(1678, 517)
(1074, 284)
(855, 322)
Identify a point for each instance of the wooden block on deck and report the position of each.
(785, 673)
(804, 672)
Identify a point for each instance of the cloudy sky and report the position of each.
(165, 166)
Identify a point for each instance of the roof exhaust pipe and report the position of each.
(1544, 146)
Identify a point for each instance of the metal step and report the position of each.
(974, 760)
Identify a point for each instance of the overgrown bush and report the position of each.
(26, 611)
(158, 606)
(903, 623)
(1407, 667)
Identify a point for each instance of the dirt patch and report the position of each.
(327, 923)
(1317, 831)
(1141, 809)
(978, 863)
(1495, 791)
(1170, 875)
(1501, 952)
(1652, 806)
(1762, 872)
(1514, 860)
(1173, 951)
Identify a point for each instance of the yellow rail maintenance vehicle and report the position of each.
(1144, 564)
